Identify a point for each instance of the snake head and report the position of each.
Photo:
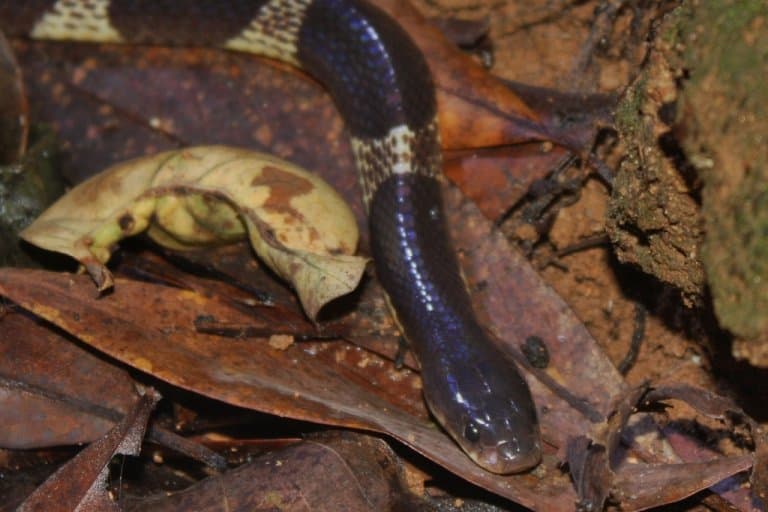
(489, 412)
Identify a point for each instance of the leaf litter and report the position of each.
(606, 387)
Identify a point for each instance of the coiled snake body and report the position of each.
(382, 86)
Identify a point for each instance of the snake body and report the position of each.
(383, 89)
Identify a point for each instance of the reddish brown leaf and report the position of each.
(592, 463)
(98, 100)
(639, 486)
(497, 178)
(363, 317)
(519, 304)
(731, 491)
(351, 472)
(51, 391)
(724, 408)
(704, 401)
(463, 32)
(81, 483)
(476, 109)
(588, 464)
(152, 328)
(573, 116)
(644, 486)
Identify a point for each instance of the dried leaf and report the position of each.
(463, 32)
(361, 470)
(588, 464)
(496, 178)
(53, 392)
(644, 486)
(732, 489)
(81, 483)
(206, 195)
(476, 109)
(151, 328)
(640, 486)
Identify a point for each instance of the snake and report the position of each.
(383, 89)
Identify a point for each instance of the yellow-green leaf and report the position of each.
(297, 224)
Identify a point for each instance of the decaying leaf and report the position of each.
(52, 392)
(639, 486)
(363, 471)
(151, 328)
(81, 483)
(297, 224)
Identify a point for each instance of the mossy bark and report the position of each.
(653, 216)
(710, 61)
(724, 112)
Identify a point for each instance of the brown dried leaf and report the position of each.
(479, 110)
(733, 489)
(724, 408)
(640, 486)
(496, 178)
(588, 465)
(53, 392)
(462, 32)
(520, 304)
(152, 328)
(362, 318)
(517, 303)
(362, 472)
(81, 483)
(644, 486)
(98, 100)
(204, 195)
(704, 401)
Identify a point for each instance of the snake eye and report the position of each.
(471, 432)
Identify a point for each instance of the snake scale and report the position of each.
(383, 89)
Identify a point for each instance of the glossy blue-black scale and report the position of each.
(377, 76)
(469, 383)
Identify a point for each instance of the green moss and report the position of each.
(26, 189)
(673, 32)
(628, 120)
(726, 51)
(653, 221)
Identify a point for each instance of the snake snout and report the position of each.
(509, 456)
